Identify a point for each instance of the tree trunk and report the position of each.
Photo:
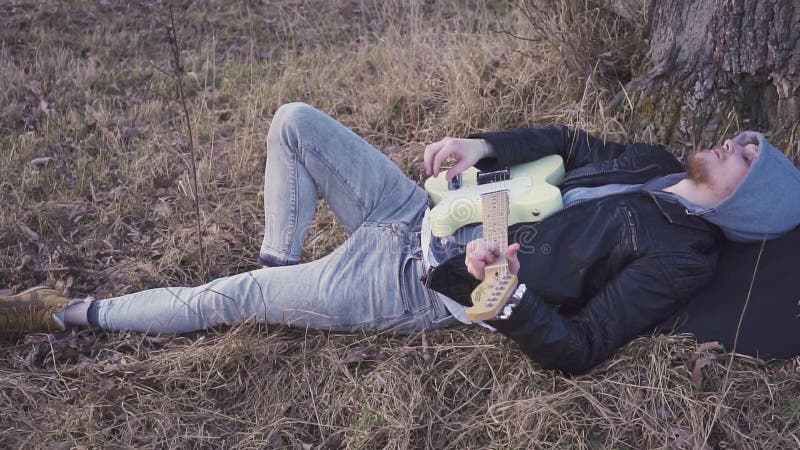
(726, 65)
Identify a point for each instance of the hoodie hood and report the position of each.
(766, 203)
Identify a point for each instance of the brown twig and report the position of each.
(178, 75)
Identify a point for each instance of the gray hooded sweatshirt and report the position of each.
(767, 202)
(764, 206)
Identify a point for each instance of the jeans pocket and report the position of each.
(404, 278)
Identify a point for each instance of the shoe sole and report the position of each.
(29, 290)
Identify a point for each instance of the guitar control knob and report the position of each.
(536, 213)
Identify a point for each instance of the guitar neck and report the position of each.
(495, 222)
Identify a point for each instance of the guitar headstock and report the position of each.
(490, 296)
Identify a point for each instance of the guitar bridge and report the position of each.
(494, 177)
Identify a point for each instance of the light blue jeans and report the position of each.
(371, 282)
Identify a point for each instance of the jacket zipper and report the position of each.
(632, 228)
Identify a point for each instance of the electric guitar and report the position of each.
(524, 193)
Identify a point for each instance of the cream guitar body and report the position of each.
(532, 195)
(524, 193)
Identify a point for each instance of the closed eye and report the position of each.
(750, 153)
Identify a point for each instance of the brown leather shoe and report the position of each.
(31, 311)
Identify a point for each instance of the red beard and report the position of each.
(697, 169)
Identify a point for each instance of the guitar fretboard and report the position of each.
(495, 223)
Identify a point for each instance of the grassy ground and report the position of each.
(111, 212)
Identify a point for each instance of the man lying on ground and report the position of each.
(636, 238)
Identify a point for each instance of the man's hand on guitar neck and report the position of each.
(466, 152)
(481, 254)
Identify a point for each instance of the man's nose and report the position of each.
(728, 145)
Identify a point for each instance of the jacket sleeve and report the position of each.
(520, 145)
(644, 293)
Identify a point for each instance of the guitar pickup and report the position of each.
(455, 183)
(494, 177)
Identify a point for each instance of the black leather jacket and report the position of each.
(602, 271)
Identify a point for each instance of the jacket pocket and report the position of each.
(688, 272)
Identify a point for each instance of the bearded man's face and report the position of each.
(722, 168)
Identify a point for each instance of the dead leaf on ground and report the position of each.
(32, 235)
(77, 212)
(106, 385)
(697, 369)
(129, 133)
(163, 181)
(392, 149)
(24, 262)
(44, 106)
(680, 437)
(356, 354)
(708, 346)
(38, 163)
(64, 285)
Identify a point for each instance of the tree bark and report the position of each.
(731, 64)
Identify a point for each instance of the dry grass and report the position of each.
(113, 213)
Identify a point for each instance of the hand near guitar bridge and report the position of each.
(466, 153)
(481, 253)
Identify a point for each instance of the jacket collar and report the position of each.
(637, 168)
(678, 214)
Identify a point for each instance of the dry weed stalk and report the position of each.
(177, 67)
